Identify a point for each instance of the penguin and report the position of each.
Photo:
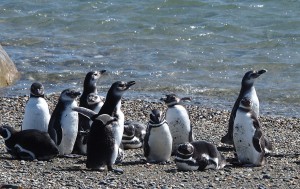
(158, 139)
(247, 90)
(89, 88)
(104, 138)
(178, 119)
(95, 103)
(198, 155)
(37, 113)
(133, 135)
(248, 137)
(63, 125)
(28, 144)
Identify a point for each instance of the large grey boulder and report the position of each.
(8, 71)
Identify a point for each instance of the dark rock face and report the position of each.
(8, 71)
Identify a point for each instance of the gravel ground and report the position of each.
(281, 170)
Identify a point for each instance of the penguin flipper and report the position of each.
(258, 140)
(84, 111)
(146, 145)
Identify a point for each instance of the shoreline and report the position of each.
(280, 171)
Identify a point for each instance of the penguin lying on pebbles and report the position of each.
(247, 90)
(248, 137)
(29, 144)
(178, 120)
(198, 155)
(88, 94)
(37, 114)
(158, 139)
(133, 135)
(63, 125)
(105, 135)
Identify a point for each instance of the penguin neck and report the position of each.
(152, 124)
(246, 89)
(37, 96)
(110, 104)
(89, 88)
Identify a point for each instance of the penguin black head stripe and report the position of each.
(6, 132)
(37, 90)
(156, 117)
(69, 94)
(185, 150)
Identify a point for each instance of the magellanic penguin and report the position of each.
(133, 135)
(29, 144)
(37, 114)
(248, 137)
(158, 139)
(198, 155)
(89, 87)
(105, 135)
(247, 90)
(178, 120)
(63, 125)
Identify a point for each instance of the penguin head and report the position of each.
(7, 131)
(69, 95)
(156, 117)
(250, 77)
(37, 90)
(172, 99)
(246, 103)
(105, 119)
(92, 77)
(185, 150)
(129, 130)
(93, 98)
(118, 88)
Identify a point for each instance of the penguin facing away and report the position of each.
(178, 120)
(104, 138)
(158, 139)
(37, 114)
(248, 137)
(63, 125)
(247, 90)
(198, 155)
(29, 144)
(89, 88)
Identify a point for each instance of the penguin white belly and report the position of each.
(179, 124)
(120, 128)
(96, 109)
(69, 124)
(253, 97)
(243, 133)
(160, 143)
(37, 115)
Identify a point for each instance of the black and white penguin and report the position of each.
(178, 120)
(158, 139)
(198, 155)
(248, 137)
(106, 132)
(29, 144)
(63, 125)
(37, 114)
(133, 135)
(87, 100)
(247, 90)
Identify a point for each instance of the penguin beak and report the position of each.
(258, 73)
(186, 99)
(102, 72)
(129, 84)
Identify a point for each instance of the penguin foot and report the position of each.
(71, 156)
(227, 139)
(116, 170)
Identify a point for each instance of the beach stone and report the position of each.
(8, 71)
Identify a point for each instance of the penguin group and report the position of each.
(88, 124)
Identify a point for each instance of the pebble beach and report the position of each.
(281, 170)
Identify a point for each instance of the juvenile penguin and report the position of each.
(87, 100)
(28, 144)
(248, 137)
(247, 90)
(133, 135)
(198, 155)
(178, 120)
(63, 125)
(37, 114)
(158, 139)
(105, 135)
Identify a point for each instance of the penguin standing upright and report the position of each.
(198, 155)
(247, 90)
(37, 114)
(158, 139)
(178, 120)
(248, 137)
(28, 144)
(89, 87)
(63, 125)
(105, 135)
